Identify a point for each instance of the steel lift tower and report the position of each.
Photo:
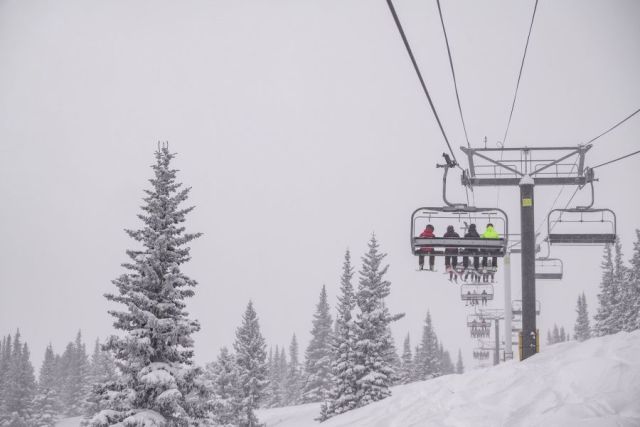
(527, 167)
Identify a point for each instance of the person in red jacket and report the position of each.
(427, 234)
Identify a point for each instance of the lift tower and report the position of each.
(527, 167)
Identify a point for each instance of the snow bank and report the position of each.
(594, 383)
(591, 384)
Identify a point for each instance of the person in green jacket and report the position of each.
(490, 233)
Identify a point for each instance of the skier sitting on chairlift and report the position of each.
(451, 261)
(427, 234)
(490, 233)
(472, 233)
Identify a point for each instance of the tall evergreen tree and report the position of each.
(427, 357)
(373, 339)
(459, 364)
(154, 354)
(293, 377)
(223, 374)
(406, 367)
(317, 365)
(46, 405)
(251, 353)
(556, 334)
(272, 396)
(582, 330)
(632, 311)
(607, 298)
(5, 361)
(20, 385)
(563, 335)
(342, 396)
(620, 285)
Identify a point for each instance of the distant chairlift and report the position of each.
(582, 225)
(476, 292)
(549, 269)
(516, 307)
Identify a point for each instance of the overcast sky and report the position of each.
(302, 129)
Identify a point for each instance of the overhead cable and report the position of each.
(453, 73)
(417, 69)
(515, 95)
(614, 126)
(615, 160)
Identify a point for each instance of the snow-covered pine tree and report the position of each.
(20, 386)
(293, 378)
(251, 356)
(5, 359)
(393, 359)
(317, 365)
(459, 364)
(75, 377)
(272, 396)
(582, 330)
(620, 304)
(563, 334)
(607, 298)
(102, 370)
(549, 337)
(342, 396)
(427, 357)
(373, 340)
(406, 367)
(158, 382)
(223, 375)
(447, 363)
(282, 374)
(46, 406)
(632, 315)
(556, 334)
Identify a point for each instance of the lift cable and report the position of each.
(614, 126)
(615, 160)
(419, 74)
(576, 162)
(453, 73)
(515, 95)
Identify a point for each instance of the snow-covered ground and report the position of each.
(591, 384)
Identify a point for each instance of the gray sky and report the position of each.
(302, 128)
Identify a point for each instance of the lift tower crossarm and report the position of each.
(527, 166)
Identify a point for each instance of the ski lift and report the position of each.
(516, 307)
(549, 269)
(582, 225)
(462, 215)
(476, 292)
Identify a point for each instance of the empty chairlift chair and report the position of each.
(549, 269)
(516, 307)
(581, 226)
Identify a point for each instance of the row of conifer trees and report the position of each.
(62, 386)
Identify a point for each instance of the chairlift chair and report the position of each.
(462, 215)
(516, 307)
(582, 225)
(549, 269)
(474, 292)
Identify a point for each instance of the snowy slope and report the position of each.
(595, 383)
(591, 384)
